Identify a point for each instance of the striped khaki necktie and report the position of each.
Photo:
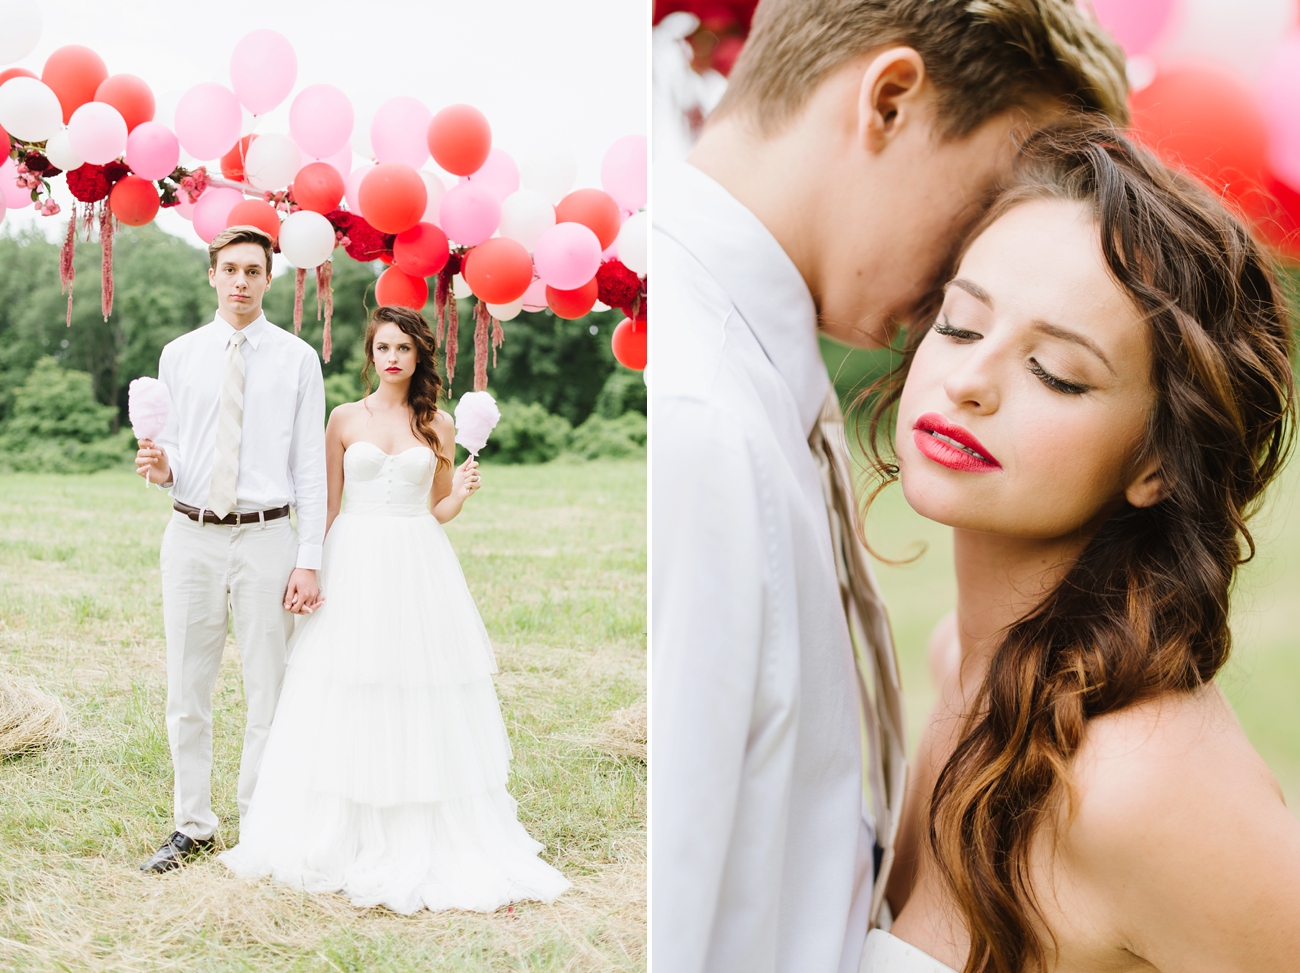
(230, 420)
(879, 690)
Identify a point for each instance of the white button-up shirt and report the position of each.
(282, 439)
(761, 847)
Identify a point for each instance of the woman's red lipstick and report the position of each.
(952, 446)
(394, 368)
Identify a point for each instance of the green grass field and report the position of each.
(556, 558)
(1262, 678)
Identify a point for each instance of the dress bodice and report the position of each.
(884, 953)
(375, 481)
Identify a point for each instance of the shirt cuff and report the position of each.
(309, 557)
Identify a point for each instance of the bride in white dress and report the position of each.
(384, 776)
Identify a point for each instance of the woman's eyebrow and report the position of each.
(1065, 334)
(973, 289)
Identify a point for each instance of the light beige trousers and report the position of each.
(208, 573)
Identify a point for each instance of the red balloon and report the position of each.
(498, 270)
(232, 163)
(595, 210)
(134, 201)
(460, 139)
(130, 96)
(387, 257)
(629, 344)
(8, 73)
(422, 250)
(317, 187)
(573, 304)
(74, 73)
(6, 141)
(1279, 217)
(1205, 120)
(258, 213)
(392, 197)
(395, 286)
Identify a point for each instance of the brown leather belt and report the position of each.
(231, 519)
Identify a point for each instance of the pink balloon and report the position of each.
(340, 160)
(435, 189)
(211, 210)
(97, 132)
(567, 256)
(1281, 103)
(535, 297)
(320, 120)
(208, 120)
(263, 69)
(352, 186)
(399, 132)
(152, 151)
(470, 214)
(623, 172)
(15, 196)
(184, 208)
(1135, 24)
(499, 175)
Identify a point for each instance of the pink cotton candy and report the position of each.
(148, 404)
(476, 416)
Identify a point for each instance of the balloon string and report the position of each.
(106, 272)
(67, 268)
(299, 287)
(481, 328)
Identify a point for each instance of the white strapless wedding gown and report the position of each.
(884, 953)
(384, 775)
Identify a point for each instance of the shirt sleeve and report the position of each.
(170, 438)
(307, 463)
(706, 629)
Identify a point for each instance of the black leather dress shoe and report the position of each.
(175, 851)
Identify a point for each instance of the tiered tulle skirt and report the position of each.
(384, 777)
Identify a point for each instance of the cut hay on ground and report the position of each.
(30, 718)
(624, 733)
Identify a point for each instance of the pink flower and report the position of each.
(50, 208)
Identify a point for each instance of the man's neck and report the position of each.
(237, 320)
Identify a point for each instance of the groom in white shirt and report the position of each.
(857, 141)
(245, 443)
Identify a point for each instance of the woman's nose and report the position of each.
(975, 383)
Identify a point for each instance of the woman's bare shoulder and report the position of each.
(444, 422)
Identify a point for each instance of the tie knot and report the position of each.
(237, 338)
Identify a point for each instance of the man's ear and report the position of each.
(1148, 486)
(894, 93)
(212, 277)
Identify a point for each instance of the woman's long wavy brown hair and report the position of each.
(1144, 610)
(426, 383)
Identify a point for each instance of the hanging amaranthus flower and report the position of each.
(453, 324)
(498, 339)
(325, 302)
(482, 328)
(68, 269)
(106, 242)
(299, 286)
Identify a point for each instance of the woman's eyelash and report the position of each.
(1058, 384)
(941, 326)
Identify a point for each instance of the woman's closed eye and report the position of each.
(944, 327)
(1054, 383)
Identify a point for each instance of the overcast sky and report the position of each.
(547, 73)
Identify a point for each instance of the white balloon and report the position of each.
(29, 110)
(59, 151)
(551, 175)
(634, 243)
(459, 288)
(272, 161)
(306, 239)
(1240, 35)
(435, 189)
(97, 132)
(525, 216)
(22, 29)
(506, 312)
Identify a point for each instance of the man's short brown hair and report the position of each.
(240, 234)
(984, 56)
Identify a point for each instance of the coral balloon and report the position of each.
(629, 344)
(395, 286)
(22, 30)
(272, 161)
(97, 132)
(74, 73)
(29, 110)
(525, 216)
(263, 68)
(208, 119)
(59, 151)
(397, 132)
(392, 197)
(593, 209)
(469, 214)
(459, 139)
(320, 120)
(499, 270)
(573, 304)
(211, 210)
(130, 96)
(255, 212)
(567, 256)
(318, 187)
(134, 201)
(306, 239)
(499, 175)
(232, 163)
(623, 172)
(152, 151)
(1205, 120)
(1281, 102)
(8, 73)
(422, 250)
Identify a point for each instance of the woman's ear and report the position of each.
(1149, 486)
(893, 93)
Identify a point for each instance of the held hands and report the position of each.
(303, 595)
(151, 463)
(465, 480)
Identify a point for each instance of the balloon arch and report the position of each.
(513, 237)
